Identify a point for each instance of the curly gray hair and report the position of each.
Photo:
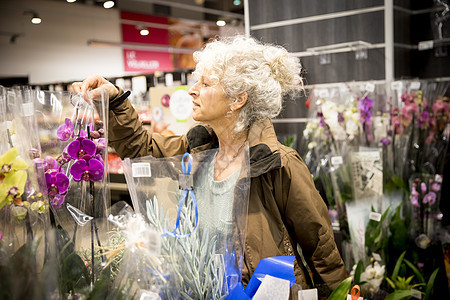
(242, 64)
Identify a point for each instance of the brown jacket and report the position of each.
(284, 209)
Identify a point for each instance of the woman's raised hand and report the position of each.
(92, 87)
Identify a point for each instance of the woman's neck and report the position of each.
(230, 155)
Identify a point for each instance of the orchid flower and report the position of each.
(65, 131)
(81, 147)
(12, 176)
(57, 183)
(430, 198)
(87, 169)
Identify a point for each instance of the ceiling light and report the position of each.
(221, 23)
(71, 1)
(35, 19)
(237, 2)
(144, 31)
(108, 4)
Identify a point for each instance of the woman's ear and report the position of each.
(239, 102)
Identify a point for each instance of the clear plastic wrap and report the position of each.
(24, 211)
(202, 222)
(73, 139)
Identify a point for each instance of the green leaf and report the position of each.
(358, 272)
(430, 284)
(399, 230)
(415, 270)
(340, 293)
(391, 283)
(398, 265)
(398, 181)
(401, 295)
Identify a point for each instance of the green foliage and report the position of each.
(289, 141)
(18, 273)
(403, 286)
(374, 239)
(399, 231)
(397, 295)
(340, 293)
(73, 273)
(430, 284)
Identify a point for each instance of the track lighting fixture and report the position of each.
(35, 19)
(108, 4)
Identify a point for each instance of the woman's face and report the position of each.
(211, 106)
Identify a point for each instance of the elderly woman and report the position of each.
(240, 88)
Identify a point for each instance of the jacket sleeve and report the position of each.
(307, 216)
(129, 138)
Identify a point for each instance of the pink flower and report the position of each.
(397, 124)
(441, 107)
(423, 187)
(408, 112)
(436, 187)
(430, 198)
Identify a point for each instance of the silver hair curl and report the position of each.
(240, 64)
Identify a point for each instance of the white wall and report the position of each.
(56, 50)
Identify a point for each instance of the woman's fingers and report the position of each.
(76, 87)
(92, 88)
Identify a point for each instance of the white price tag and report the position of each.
(425, 45)
(337, 160)
(396, 85)
(154, 242)
(310, 294)
(370, 87)
(415, 85)
(349, 297)
(28, 109)
(375, 216)
(141, 170)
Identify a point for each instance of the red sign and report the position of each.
(144, 61)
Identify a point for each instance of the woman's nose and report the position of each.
(193, 91)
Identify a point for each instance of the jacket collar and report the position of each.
(263, 143)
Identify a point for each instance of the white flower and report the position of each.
(312, 145)
(351, 127)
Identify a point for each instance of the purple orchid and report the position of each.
(415, 196)
(58, 200)
(385, 141)
(424, 120)
(63, 158)
(57, 183)
(101, 145)
(65, 131)
(84, 134)
(436, 187)
(87, 169)
(81, 147)
(423, 187)
(50, 163)
(365, 110)
(430, 198)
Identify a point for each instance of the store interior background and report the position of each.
(336, 40)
